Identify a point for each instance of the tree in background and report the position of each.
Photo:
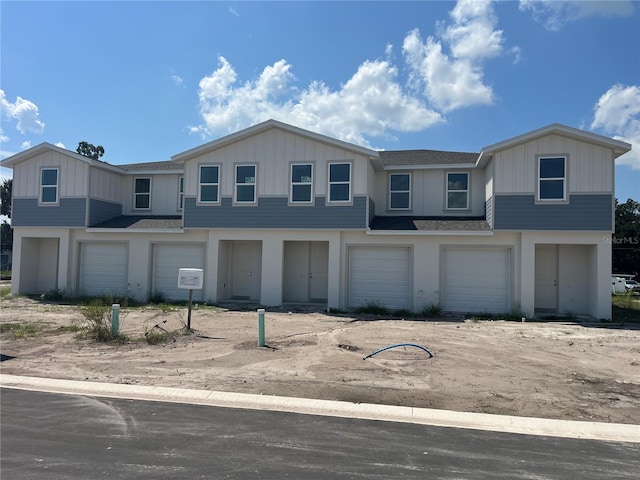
(6, 233)
(626, 239)
(89, 150)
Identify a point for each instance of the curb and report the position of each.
(614, 432)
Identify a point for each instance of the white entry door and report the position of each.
(246, 269)
(318, 271)
(546, 283)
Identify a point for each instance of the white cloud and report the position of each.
(24, 111)
(233, 11)
(3, 137)
(617, 113)
(26, 144)
(456, 80)
(61, 145)
(370, 103)
(555, 14)
(177, 79)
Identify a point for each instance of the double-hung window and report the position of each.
(209, 184)
(339, 182)
(245, 183)
(49, 185)
(301, 183)
(552, 179)
(457, 191)
(399, 191)
(180, 193)
(142, 194)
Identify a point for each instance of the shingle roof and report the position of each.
(168, 222)
(425, 157)
(430, 223)
(148, 166)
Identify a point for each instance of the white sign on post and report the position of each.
(190, 278)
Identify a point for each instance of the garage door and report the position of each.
(380, 275)
(168, 259)
(476, 280)
(103, 269)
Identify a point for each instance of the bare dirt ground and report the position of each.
(587, 372)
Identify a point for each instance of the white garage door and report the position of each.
(103, 269)
(380, 275)
(476, 280)
(168, 259)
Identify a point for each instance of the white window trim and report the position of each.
(408, 207)
(135, 194)
(254, 184)
(447, 191)
(56, 186)
(180, 193)
(200, 184)
(292, 184)
(565, 179)
(329, 183)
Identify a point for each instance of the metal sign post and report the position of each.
(191, 279)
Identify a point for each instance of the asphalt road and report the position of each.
(54, 436)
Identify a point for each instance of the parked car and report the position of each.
(632, 285)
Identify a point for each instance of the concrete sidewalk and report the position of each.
(445, 418)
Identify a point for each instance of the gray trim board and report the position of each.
(70, 212)
(274, 212)
(583, 212)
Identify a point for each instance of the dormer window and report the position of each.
(142, 194)
(552, 179)
(49, 186)
(457, 191)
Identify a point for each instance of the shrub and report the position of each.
(373, 308)
(431, 310)
(97, 320)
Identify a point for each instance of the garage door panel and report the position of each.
(380, 275)
(476, 280)
(168, 260)
(103, 269)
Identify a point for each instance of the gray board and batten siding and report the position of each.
(583, 212)
(70, 212)
(276, 212)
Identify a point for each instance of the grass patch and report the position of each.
(430, 311)
(372, 308)
(625, 308)
(22, 330)
(5, 291)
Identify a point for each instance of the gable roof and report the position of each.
(262, 127)
(13, 160)
(617, 146)
(166, 166)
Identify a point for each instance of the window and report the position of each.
(245, 183)
(457, 191)
(180, 193)
(400, 191)
(142, 193)
(551, 178)
(339, 182)
(301, 183)
(49, 185)
(209, 184)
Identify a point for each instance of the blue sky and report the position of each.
(147, 80)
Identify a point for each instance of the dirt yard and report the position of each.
(558, 370)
